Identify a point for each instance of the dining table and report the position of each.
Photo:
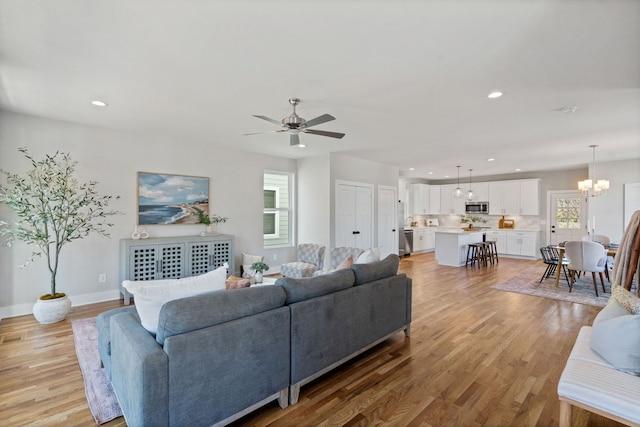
(611, 251)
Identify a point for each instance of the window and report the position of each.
(277, 209)
(568, 212)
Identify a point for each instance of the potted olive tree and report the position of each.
(52, 208)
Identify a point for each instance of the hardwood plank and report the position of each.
(476, 357)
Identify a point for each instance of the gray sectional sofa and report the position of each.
(217, 356)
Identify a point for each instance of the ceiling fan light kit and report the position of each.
(296, 125)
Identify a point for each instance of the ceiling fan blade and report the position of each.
(278, 122)
(319, 120)
(324, 133)
(294, 139)
(269, 131)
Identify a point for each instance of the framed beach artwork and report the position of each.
(171, 199)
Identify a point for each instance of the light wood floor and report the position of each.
(476, 357)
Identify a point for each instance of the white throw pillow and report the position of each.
(369, 256)
(247, 261)
(150, 295)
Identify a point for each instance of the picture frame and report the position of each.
(164, 199)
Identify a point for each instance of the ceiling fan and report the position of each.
(295, 125)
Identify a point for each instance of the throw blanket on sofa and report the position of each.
(627, 256)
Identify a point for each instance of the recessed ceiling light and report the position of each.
(518, 170)
(568, 110)
(491, 159)
(412, 169)
(98, 103)
(446, 176)
(493, 95)
(430, 173)
(301, 145)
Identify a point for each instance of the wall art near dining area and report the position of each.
(171, 199)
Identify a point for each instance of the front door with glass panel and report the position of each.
(568, 214)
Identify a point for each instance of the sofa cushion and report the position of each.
(615, 336)
(311, 287)
(366, 273)
(149, 295)
(212, 308)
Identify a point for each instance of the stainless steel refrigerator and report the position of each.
(405, 237)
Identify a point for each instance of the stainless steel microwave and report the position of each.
(477, 208)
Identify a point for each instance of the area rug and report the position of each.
(527, 282)
(100, 395)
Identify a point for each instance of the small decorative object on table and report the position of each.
(209, 222)
(470, 219)
(259, 267)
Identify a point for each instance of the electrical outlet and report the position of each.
(275, 257)
(102, 277)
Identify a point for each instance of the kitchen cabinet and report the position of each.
(434, 200)
(518, 197)
(482, 191)
(431, 239)
(500, 237)
(522, 243)
(419, 240)
(173, 257)
(419, 195)
(354, 215)
(449, 205)
(424, 239)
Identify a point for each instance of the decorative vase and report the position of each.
(51, 310)
(258, 276)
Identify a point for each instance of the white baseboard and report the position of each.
(76, 300)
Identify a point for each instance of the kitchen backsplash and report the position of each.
(521, 222)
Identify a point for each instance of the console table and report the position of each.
(172, 257)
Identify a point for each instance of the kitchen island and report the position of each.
(451, 246)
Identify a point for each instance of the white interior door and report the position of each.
(567, 216)
(364, 217)
(387, 221)
(345, 215)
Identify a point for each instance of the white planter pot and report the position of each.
(52, 310)
(258, 277)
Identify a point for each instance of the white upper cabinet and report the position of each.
(434, 199)
(448, 204)
(482, 191)
(514, 197)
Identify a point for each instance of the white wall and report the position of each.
(609, 208)
(314, 201)
(113, 158)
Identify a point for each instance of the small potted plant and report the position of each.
(470, 219)
(52, 208)
(209, 221)
(259, 267)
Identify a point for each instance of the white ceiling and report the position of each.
(407, 80)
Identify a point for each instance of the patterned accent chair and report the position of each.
(337, 256)
(310, 260)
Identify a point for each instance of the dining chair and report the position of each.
(600, 238)
(586, 256)
(550, 258)
(605, 241)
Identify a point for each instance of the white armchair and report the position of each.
(310, 260)
(586, 256)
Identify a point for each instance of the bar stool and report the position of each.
(492, 250)
(474, 254)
